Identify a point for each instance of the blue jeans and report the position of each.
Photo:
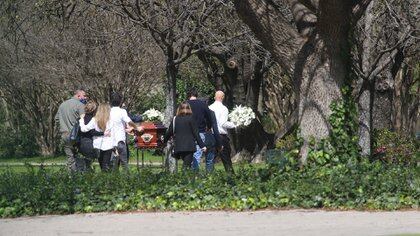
(210, 155)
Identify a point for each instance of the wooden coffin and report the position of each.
(152, 137)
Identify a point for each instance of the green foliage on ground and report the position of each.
(362, 186)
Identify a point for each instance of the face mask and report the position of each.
(83, 100)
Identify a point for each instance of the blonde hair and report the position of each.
(184, 109)
(102, 115)
(90, 107)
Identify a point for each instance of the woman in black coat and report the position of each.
(185, 134)
(86, 139)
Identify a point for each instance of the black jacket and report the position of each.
(186, 134)
(86, 140)
(201, 114)
(205, 118)
(91, 132)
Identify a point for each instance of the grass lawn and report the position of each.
(148, 157)
(133, 168)
(59, 162)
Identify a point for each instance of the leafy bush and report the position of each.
(394, 148)
(289, 142)
(154, 100)
(189, 79)
(366, 186)
(341, 146)
(16, 142)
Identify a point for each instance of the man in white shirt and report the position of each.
(221, 112)
(120, 124)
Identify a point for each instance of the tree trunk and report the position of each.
(365, 101)
(243, 79)
(46, 150)
(383, 101)
(365, 106)
(321, 70)
(279, 100)
(171, 74)
(406, 102)
(318, 64)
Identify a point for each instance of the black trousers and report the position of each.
(87, 150)
(105, 159)
(187, 158)
(225, 153)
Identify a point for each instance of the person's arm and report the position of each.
(89, 126)
(194, 130)
(224, 120)
(135, 118)
(94, 132)
(169, 133)
(129, 122)
(207, 116)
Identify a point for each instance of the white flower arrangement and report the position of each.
(153, 115)
(241, 116)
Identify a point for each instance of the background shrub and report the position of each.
(394, 148)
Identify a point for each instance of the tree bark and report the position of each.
(365, 105)
(273, 30)
(406, 102)
(170, 100)
(365, 101)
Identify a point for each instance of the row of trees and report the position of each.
(287, 59)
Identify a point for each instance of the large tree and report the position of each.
(176, 27)
(314, 51)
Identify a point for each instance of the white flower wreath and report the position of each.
(241, 116)
(153, 115)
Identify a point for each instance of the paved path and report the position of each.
(261, 223)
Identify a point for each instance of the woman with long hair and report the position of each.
(184, 131)
(104, 143)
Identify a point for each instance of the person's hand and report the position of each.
(204, 149)
(129, 129)
(107, 133)
(140, 129)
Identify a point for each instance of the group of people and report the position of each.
(197, 130)
(103, 132)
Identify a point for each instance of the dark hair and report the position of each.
(192, 92)
(116, 99)
(184, 109)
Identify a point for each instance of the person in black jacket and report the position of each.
(185, 134)
(86, 139)
(207, 128)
